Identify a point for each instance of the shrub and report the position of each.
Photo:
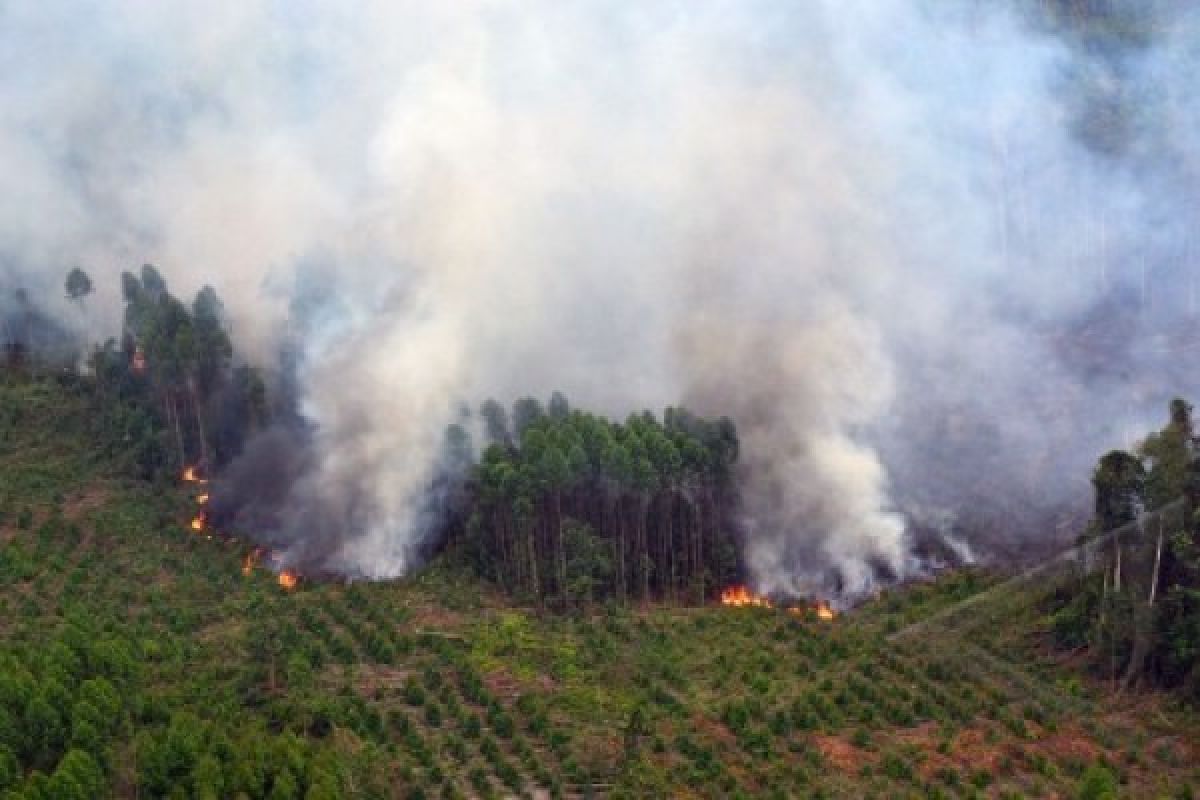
(414, 695)
(1097, 783)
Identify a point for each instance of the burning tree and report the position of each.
(182, 357)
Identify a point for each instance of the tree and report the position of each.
(495, 420)
(82, 770)
(526, 411)
(582, 507)
(78, 285)
(589, 562)
(1169, 455)
(1118, 481)
(1097, 783)
(208, 778)
(284, 786)
(45, 731)
(558, 409)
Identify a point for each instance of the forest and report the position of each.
(1155, 640)
(168, 386)
(566, 504)
(562, 506)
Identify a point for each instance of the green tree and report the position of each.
(284, 786)
(1118, 482)
(526, 411)
(1169, 456)
(45, 731)
(1097, 783)
(208, 778)
(495, 420)
(558, 408)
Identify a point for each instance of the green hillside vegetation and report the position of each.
(137, 660)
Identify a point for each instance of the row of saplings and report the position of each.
(74, 721)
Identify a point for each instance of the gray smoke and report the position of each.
(930, 259)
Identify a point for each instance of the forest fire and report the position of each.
(251, 561)
(200, 522)
(740, 596)
(202, 499)
(288, 579)
(192, 475)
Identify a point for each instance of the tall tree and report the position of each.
(78, 285)
(1118, 480)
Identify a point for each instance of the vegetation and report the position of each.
(1150, 626)
(138, 661)
(140, 658)
(567, 504)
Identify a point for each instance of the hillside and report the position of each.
(137, 660)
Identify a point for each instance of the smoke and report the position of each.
(921, 255)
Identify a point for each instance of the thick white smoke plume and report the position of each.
(861, 228)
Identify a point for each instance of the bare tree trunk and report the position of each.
(1143, 623)
(621, 593)
(643, 545)
(191, 383)
(1157, 563)
(561, 549)
(173, 418)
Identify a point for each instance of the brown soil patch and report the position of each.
(371, 680)
(1068, 744)
(970, 747)
(712, 729)
(433, 618)
(842, 754)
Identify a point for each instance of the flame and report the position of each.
(192, 475)
(251, 561)
(288, 579)
(199, 522)
(740, 596)
(202, 499)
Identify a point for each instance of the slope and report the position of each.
(136, 659)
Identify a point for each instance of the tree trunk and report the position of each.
(191, 383)
(561, 551)
(173, 417)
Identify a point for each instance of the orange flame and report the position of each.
(251, 561)
(288, 579)
(192, 475)
(202, 499)
(199, 522)
(825, 611)
(740, 596)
